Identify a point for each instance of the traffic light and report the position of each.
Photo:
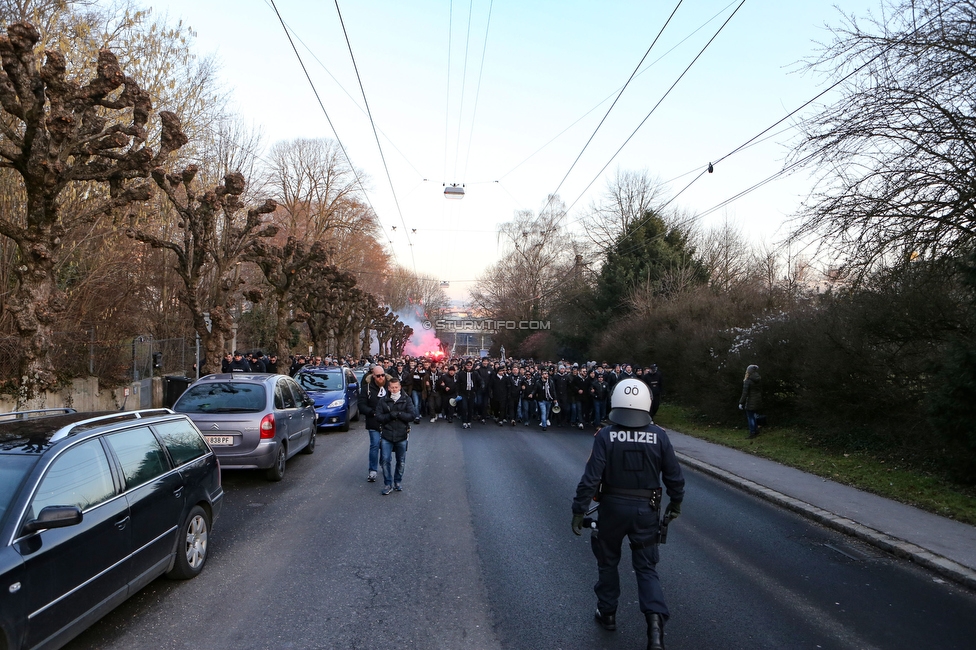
(157, 360)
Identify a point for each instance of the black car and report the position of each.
(93, 507)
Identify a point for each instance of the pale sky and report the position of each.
(546, 64)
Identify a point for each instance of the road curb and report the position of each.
(897, 547)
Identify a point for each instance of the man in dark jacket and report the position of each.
(544, 392)
(561, 380)
(481, 396)
(371, 391)
(498, 392)
(448, 388)
(239, 364)
(395, 412)
(468, 384)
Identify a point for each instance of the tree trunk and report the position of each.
(35, 304)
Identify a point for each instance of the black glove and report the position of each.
(673, 510)
(577, 524)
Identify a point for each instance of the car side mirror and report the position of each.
(54, 517)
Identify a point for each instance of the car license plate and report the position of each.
(220, 441)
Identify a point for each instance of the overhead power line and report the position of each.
(655, 107)
(318, 98)
(753, 140)
(607, 114)
(447, 108)
(477, 93)
(603, 101)
(379, 145)
(464, 75)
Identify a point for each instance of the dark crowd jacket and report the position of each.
(539, 390)
(369, 397)
(395, 417)
(462, 381)
(751, 399)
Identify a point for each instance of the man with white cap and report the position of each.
(630, 459)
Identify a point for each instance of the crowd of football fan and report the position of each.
(510, 392)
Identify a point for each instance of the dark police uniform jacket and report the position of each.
(632, 460)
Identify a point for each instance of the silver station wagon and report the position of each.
(254, 421)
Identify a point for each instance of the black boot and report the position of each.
(608, 621)
(655, 631)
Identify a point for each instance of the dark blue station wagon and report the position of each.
(93, 507)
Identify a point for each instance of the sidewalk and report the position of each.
(942, 545)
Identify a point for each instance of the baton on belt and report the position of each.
(589, 522)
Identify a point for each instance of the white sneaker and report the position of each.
(548, 424)
(434, 419)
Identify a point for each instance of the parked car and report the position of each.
(93, 507)
(252, 421)
(335, 392)
(360, 372)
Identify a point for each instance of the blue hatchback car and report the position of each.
(335, 392)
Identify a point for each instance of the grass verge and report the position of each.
(796, 448)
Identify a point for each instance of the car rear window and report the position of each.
(183, 442)
(13, 469)
(223, 397)
(320, 381)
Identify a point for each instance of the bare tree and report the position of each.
(628, 198)
(895, 153)
(539, 259)
(726, 254)
(58, 132)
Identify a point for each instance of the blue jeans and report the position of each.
(544, 411)
(751, 419)
(415, 396)
(574, 412)
(598, 413)
(389, 448)
(374, 450)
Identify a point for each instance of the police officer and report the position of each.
(624, 472)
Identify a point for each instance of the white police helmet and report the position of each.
(630, 404)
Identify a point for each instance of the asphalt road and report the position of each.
(477, 552)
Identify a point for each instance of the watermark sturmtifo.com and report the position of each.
(486, 324)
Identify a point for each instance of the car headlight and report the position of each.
(336, 404)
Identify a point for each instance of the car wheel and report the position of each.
(310, 447)
(345, 425)
(277, 471)
(356, 419)
(191, 552)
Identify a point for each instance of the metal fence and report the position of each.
(81, 354)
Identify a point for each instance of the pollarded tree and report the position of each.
(283, 267)
(210, 242)
(57, 132)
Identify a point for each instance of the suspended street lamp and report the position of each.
(454, 191)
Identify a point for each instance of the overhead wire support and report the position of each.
(318, 98)
(447, 107)
(376, 135)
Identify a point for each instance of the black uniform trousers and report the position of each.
(632, 518)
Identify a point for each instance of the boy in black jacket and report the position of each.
(395, 412)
